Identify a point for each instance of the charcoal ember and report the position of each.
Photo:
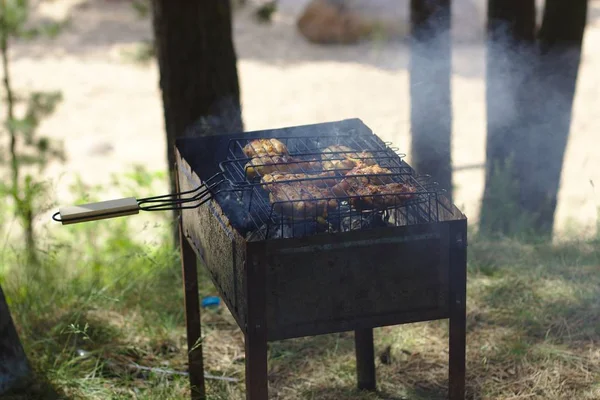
(288, 230)
(235, 206)
(279, 231)
(362, 221)
(308, 228)
(256, 235)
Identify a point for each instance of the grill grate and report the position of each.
(295, 186)
(298, 211)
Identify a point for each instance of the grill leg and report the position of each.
(256, 368)
(192, 317)
(257, 386)
(457, 353)
(458, 296)
(365, 358)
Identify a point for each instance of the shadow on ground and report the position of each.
(96, 26)
(35, 389)
(324, 367)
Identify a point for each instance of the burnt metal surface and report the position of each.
(357, 279)
(219, 247)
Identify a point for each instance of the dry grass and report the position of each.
(533, 329)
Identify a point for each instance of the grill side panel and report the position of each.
(356, 280)
(217, 245)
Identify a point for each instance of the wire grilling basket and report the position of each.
(298, 186)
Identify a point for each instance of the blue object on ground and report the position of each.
(211, 301)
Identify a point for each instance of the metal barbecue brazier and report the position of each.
(283, 277)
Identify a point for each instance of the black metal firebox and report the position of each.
(399, 263)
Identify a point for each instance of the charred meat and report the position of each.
(321, 180)
(363, 175)
(338, 157)
(303, 201)
(369, 196)
(261, 166)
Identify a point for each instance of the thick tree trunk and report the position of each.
(530, 90)
(552, 83)
(431, 101)
(13, 362)
(198, 71)
(510, 47)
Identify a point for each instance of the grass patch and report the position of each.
(102, 301)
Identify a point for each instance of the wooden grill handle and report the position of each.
(97, 211)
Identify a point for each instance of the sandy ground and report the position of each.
(111, 116)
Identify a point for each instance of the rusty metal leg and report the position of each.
(457, 353)
(257, 386)
(192, 316)
(458, 299)
(365, 359)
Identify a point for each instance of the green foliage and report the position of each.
(264, 13)
(95, 290)
(142, 7)
(14, 16)
(138, 179)
(15, 22)
(27, 149)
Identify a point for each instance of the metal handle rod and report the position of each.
(131, 205)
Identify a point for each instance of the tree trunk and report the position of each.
(530, 90)
(13, 362)
(553, 84)
(430, 94)
(198, 71)
(510, 46)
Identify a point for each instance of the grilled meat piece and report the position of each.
(301, 201)
(265, 147)
(319, 180)
(343, 157)
(261, 166)
(374, 175)
(336, 165)
(369, 196)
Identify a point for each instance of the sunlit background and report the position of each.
(112, 117)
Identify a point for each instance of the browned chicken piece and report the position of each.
(375, 175)
(265, 147)
(338, 157)
(261, 166)
(380, 196)
(338, 165)
(301, 201)
(319, 180)
(363, 158)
